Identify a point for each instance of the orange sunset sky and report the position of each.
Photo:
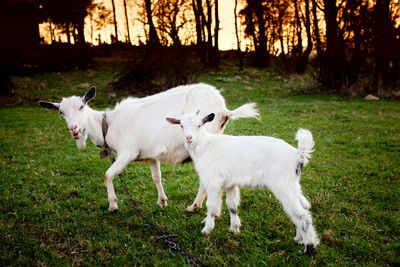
(227, 38)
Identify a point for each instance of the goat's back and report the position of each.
(248, 161)
(139, 123)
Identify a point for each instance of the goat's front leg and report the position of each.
(213, 207)
(156, 174)
(116, 168)
(198, 202)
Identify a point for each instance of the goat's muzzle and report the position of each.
(76, 134)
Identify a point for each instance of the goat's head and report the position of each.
(192, 125)
(73, 110)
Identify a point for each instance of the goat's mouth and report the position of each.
(76, 135)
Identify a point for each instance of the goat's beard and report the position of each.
(81, 141)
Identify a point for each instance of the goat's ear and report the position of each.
(208, 118)
(49, 105)
(89, 95)
(173, 121)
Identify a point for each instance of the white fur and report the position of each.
(226, 162)
(138, 130)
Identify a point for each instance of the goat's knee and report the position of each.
(112, 198)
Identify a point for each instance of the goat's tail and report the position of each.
(248, 110)
(305, 145)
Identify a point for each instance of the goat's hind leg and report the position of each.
(233, 201)
(116, 168)
(306, 205)
(293, 203)
(156, 174)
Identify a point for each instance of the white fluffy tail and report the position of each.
(245, 111)
(305, 145)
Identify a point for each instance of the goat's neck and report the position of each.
(200, 147)
(94, 129)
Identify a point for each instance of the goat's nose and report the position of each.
(73, 127)
(189, 138)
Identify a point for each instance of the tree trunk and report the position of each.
(81, 31)
(383, 43)
(299, 47)
(210, 51)
(216, 32)
(127, 24)
(316, 29)
(261, 50)
(239, 51)
(52, 37)
(334, 42)
(198, 10)
(115, 21)
(333, 63)
(153, 36)
(68, 32)
(304, 58)
(198, 22)
(236, 26)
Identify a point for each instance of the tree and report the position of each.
(216, 34)
(303, 60)
(115, 21)
(153, 36)
(99, 17)
(128, 36)
(255, 28)
(68, 13)
(235, 13)
(317, 36)
(171, 17)
(207, 49)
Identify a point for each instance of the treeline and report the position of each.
(356, 42)
(345, 43)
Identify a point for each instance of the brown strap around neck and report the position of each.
(107, 151)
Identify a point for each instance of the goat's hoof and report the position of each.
(162, 202)
(113, 204)
(193, 207)
(298, 240)
(113, 208)
(204, 221)
(310, 249)
(235, 229)
(206, 230)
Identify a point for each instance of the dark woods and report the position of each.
(348, 46)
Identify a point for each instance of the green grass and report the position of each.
(53, 202)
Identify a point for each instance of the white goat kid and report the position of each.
(225, 162)
(137, 130)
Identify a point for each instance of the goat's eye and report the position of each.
(181, 126)
(81, 107)
(199, 126)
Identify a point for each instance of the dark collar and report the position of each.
(107, 151)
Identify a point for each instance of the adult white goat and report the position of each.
(136, 130)
(225, 162)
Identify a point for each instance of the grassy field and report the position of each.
(53, 202)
